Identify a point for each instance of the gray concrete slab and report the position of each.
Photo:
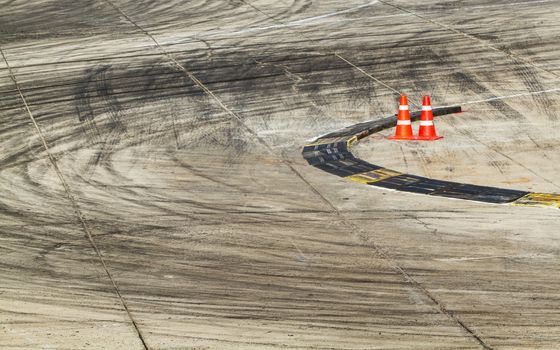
(173, 208)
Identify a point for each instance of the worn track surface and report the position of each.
(153, 193)
(331, 153)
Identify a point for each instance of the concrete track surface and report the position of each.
(153, 194)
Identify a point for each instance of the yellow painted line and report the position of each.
(351, 141)
(334, 140)
(539, 200)
(330, 140)
(373, 176)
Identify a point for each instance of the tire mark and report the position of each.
(515, 57)
(357, 231)
(98, 86)
(542, 101)
(75, 205)
(501, 106)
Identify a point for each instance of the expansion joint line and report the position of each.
(217, 100)
(367, 74)
(189, 74)
(73, 201)
(378, 250)
(513, 56)
(335, 54)
(355, 228)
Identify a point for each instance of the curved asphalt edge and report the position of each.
(331, 153)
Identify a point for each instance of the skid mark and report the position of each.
(75, 206)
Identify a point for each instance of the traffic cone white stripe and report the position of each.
(403, 131)
(427, 131)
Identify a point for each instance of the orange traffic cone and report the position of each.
(427, 131)
(404, 127)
